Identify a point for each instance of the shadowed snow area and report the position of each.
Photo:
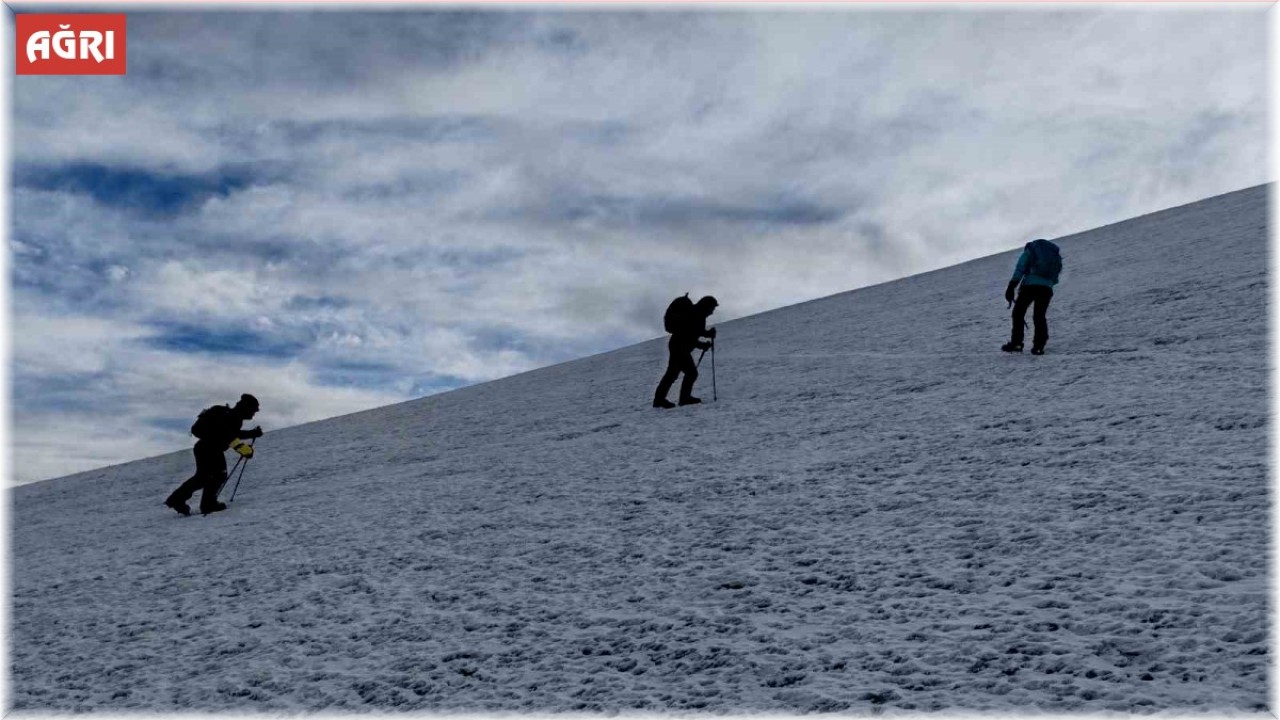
(882, 511)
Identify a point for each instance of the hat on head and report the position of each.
(249, 401)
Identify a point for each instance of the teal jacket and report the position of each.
(1020, 272)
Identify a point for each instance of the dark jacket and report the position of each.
(694, 329)
(223, 428)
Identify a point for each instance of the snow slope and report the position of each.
(882, 512)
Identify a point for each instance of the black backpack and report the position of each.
(678, 312)
(1046, 261)
(209, 419)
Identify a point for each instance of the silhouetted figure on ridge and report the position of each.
(217, 428)
(1037, 270)
(687, 323)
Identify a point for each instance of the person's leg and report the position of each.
(212, 466)
(187, 489)
(690, 370)
(1039, 317)
(669, 377)
(178, 498)
(1025, 296)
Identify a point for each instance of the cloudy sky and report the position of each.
(338, 210)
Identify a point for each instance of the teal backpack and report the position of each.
(1046, 260)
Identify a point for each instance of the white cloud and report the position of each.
(53, 444)
(47, 345)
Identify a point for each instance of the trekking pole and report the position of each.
(713, 370)
(241, 476)
(229, 474)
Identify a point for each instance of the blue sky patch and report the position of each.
(371, 375)
(676, 212)
(303, 303)
(146, 192)
(185, 338)
(368, 375)
(61, 393)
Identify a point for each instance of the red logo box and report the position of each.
(81, 44)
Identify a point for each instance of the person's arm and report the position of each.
(1019, 271)
(700, 330)
(254, 432)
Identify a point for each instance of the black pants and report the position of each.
(680, 360)
(211, 472)
(1039, 295)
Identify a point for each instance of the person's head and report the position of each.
(707, 305)
(247, 407)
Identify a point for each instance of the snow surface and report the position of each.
(881, 512)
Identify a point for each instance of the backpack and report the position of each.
(1046, 261)
(678, 312)
(209, 419)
